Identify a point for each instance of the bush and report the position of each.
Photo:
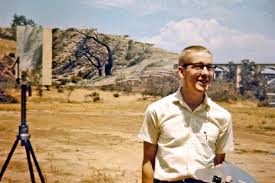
(263, 103)
(123, 86)
(94, 94)
(75, 79)
(40, 91)
(110, 87)
(5, 98)
(96, 98)
(65, 81)
(60, 89)
(116, 95)
(160, 85)
(8, 99)
(92, 97)
(223, 91)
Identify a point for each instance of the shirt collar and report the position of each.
(178, 99)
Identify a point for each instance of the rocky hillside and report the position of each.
(134, 65)
(7, 47)
(133, 62)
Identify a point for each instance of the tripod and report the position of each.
(23, 135)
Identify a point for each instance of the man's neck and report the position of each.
(193, 100)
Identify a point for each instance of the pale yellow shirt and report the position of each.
(187, 140)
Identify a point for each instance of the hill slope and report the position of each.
(133, 61)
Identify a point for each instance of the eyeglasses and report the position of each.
(200, 66)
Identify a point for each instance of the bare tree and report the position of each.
(96, 48)
(84, 51)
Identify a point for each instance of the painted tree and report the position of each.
(20, 20)
(98, 49)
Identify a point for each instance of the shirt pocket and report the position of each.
(210, 133)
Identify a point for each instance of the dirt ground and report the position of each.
(97, 142)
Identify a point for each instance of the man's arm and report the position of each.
(148, 164)
(219, 158)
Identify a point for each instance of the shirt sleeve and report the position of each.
(149, 130)
(225, 141)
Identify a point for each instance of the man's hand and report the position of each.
(228, 179)
(219, 158)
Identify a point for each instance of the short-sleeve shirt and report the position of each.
(187, 140)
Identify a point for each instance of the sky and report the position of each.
(233, 30)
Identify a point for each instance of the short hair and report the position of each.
(186, 51)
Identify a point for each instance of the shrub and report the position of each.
(65, 81)
(6, 98)
(96, 98)
(116, 95)
(223, 91)
(110, 87)
(160, 85)
(95, 94)
(60, 89)
(40, 91)
(75, 79)
(124, 86)
(92, 97)
(263, 103)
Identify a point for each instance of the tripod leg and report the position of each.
(8, 158)
(36, 164)
(27, 147)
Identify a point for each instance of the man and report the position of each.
(186, 131)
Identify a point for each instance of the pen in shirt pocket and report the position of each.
(205, 135)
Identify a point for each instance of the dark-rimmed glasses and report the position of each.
(200, 66)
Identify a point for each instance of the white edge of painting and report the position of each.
(47, 57)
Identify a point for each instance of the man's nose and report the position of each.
(204, 70)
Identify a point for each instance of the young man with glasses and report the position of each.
(186, 131)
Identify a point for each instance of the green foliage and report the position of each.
(251, 80)
(20, 20)
(230, 75)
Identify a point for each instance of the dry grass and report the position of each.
(246, 115)
(97, 142)
(6, 47)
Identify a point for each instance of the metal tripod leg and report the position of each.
(27, 147)
(36, 164)
(8, 158)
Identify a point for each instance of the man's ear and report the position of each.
(181, 72)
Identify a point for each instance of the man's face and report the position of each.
(196, 76)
